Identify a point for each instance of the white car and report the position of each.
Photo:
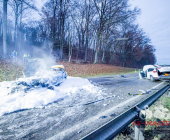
(155, 72)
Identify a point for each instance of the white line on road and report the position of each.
(157, 85)
(131, 77)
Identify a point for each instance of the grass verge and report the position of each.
(9, 70)
(160, 113)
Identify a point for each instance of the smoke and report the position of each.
(41, 61)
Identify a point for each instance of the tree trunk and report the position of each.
(96, 57)
(16, 26)
(86, 47)
(123, 63)
(69, 44)
(103, 57)
(79, 37)
(61, 18)
(20, 33)
(97, 49)
(96, 53)
(87, 41)
(70, 50)
(54, 22)
(5, 27)
(87, 29)
(82, 45)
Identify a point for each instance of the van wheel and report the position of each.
(152, 79)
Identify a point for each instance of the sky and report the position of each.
(155, 21)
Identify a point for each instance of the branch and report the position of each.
(31, 6)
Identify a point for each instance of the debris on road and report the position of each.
(143, 92)
(103, 117)
(123, 76)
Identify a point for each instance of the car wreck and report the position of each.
(155, 72)
(37, 75)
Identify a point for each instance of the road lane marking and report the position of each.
(157, 86)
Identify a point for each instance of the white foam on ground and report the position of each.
(39, 97)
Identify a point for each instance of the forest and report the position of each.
(90, 31)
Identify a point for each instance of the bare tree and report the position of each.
(97, 25)
(55, 19)
(82, 19)
(5, 27)
(110, 12)
(19, 6)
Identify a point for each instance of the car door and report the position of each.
(149, 72)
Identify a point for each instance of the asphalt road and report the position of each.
(75, 120)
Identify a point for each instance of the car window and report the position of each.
(151, 69)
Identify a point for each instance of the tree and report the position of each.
(88, 30)
(20, 6)
(5, 27)
(55, 20)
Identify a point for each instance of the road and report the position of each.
(73, 120)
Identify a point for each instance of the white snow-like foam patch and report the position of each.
(39, 97)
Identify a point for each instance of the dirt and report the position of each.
(86, 70)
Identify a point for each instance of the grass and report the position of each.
(152, 132)
(166, 102)
(9, 70)
(159, 132)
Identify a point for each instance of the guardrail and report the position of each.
(111, 129)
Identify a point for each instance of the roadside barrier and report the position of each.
(111, 129)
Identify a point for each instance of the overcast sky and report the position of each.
(155, 20)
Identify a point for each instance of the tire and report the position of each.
(152, 79)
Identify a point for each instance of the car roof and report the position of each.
(147, 67)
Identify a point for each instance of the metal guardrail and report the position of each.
(109, 130)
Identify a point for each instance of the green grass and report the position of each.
(166, 102)
(150, 132)
(160, 133)
(9, 70)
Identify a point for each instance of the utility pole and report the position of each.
(5, 28)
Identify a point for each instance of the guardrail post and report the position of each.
(140, 126)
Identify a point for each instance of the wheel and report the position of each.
(152, 79)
